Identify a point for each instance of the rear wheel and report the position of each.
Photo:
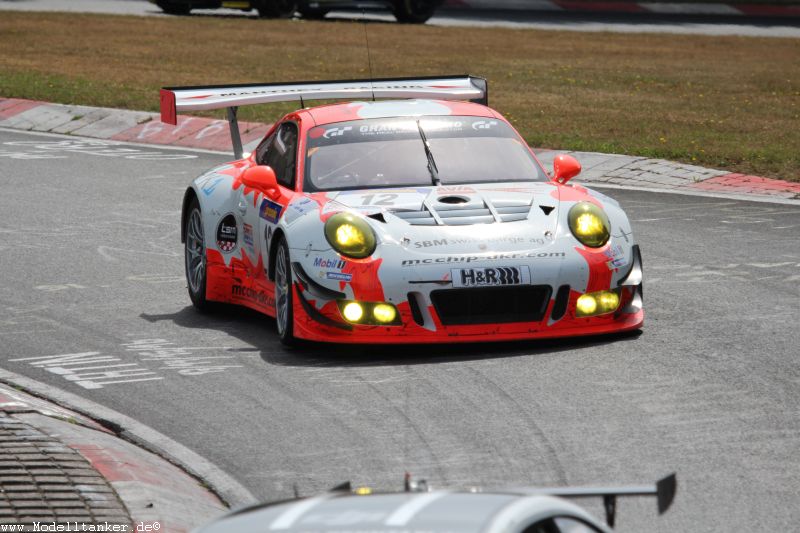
(277, 9)
(174, 9)
(284, 318)
(415, 11)
(195, 257)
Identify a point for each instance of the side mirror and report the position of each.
(263, 178)
(565, 167)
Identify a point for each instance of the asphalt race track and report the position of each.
(504, 18)
(92, 265)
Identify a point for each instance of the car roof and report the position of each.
(346, 111)
(433, 512)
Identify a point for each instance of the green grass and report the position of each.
(725, 102)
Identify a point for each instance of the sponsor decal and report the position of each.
(339, 276)
(483, 124)
(379, 129)
(336, 132)
(451, 189)
(210, 185)
(299, 208)
(616, 256)
(335, 264)
(491, 276)
(227, 234)
(270, 211)
(247, 236)
(304, 205)
(435, 243)
(247, 293)
(312, 89)
(477, 258)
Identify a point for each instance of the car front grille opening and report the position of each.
(491, 305)
(416, 312)
(560, 305)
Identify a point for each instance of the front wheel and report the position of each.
(174, 9)
(284, 318)
(195, 257)
(415, 11)
(277, 9)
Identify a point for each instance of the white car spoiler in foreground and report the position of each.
(176, 99)
(663, 490)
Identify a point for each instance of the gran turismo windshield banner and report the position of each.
(390, 152)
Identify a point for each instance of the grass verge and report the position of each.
(723, 102)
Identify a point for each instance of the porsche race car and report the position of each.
(411, 212)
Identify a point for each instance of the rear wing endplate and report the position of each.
(178, 99)
(663, 490)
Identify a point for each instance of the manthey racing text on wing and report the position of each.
(411, 212)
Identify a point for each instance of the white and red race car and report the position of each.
(410, 213)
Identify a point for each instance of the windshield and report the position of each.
(391, 152)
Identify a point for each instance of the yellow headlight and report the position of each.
(363, 491)
(589, 224)
(384, 313)
(596, 303)
(586, 305)
(353, 312)
(350, 235)
(608, 301)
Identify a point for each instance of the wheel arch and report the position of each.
(188, 196)
(273, 251)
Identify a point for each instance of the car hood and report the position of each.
(461, 218)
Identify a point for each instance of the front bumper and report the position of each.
(422, 323)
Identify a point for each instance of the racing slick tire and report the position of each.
(284, 297)
(174, 9)
(313, 13)
(277, 9)
(414, 11)
(194, 252)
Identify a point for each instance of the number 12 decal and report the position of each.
(379, 199)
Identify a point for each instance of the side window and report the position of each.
(280, 153)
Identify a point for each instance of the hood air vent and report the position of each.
(461, 211)
(452, 200)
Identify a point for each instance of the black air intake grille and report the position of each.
(491, 305)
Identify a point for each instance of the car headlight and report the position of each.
(597, 303)
(350, 235)
(589, 224)
(369, 313)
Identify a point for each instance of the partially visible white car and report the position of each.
(527, 510)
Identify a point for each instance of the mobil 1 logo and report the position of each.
(490, 276)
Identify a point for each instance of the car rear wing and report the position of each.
(663, 490)
(201, 98)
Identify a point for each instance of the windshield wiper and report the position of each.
(434, 171)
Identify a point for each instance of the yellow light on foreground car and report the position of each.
(350, 235)
(353, 312)
(589, 224)
(596, 303)
(369, 313)
(384, 313)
